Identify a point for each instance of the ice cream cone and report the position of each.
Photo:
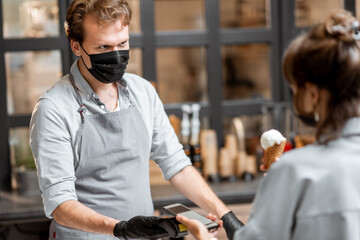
(271, 153)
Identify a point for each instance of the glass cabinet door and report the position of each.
(246, 71)
(182, 74)
(28, 75)
(30, 19)
(135, 24)
(172, 15)
(245, 13)
(309, 12)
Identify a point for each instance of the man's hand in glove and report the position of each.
(140, 227)
(231, 224)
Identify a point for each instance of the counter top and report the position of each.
(18, 208)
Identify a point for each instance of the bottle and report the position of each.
(185, 129)
(195, 135)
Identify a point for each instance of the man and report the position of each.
(93, 132)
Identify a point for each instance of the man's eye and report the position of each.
(103, 47)
(122, 44)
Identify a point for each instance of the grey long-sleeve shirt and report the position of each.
(311, 193)
(56, 119)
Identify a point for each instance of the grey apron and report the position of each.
(111, 167)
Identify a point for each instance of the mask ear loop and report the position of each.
(316, 114)
(82, 57)
(316, 117)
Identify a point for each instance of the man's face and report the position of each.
(101, 39)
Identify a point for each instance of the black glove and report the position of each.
(231, 224)
(140, 227)
(170, 225)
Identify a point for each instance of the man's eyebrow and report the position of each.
(103, 43)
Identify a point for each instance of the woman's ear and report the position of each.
(75, 47)
(313, 93)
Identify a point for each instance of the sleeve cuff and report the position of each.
(57, 194)
(173, 165)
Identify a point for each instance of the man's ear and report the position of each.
(75, 47)
(313, 93)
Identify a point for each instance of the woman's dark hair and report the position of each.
(329, 57)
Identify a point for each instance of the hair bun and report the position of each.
(343, 26)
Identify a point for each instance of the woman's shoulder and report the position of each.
(307, 152)
(308, 161)
(302, 158)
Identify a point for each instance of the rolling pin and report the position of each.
(209, 153)
(241, 158)
(225, 167)
(231, 146)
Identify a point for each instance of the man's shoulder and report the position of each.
(142, 92)
(61, 87)
(138, 83)
(60, 93)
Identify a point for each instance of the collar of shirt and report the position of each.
(89, 94)
(352, 127)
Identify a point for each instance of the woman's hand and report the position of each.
(213, 218)
(196, 228)
(262, 166)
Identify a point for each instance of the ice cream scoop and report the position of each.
(273, 142)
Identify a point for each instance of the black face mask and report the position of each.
(108, 67)
(307, 119)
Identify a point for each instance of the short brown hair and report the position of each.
(106, 12)
(329, 58)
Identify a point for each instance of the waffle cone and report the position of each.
(272, 153)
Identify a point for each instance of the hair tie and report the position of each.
(339, 28)
(354, 28)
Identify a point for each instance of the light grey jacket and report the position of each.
(311, 193)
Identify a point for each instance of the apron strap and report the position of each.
(81, 111)
(82, 108)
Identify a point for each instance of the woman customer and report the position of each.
(314, 192)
